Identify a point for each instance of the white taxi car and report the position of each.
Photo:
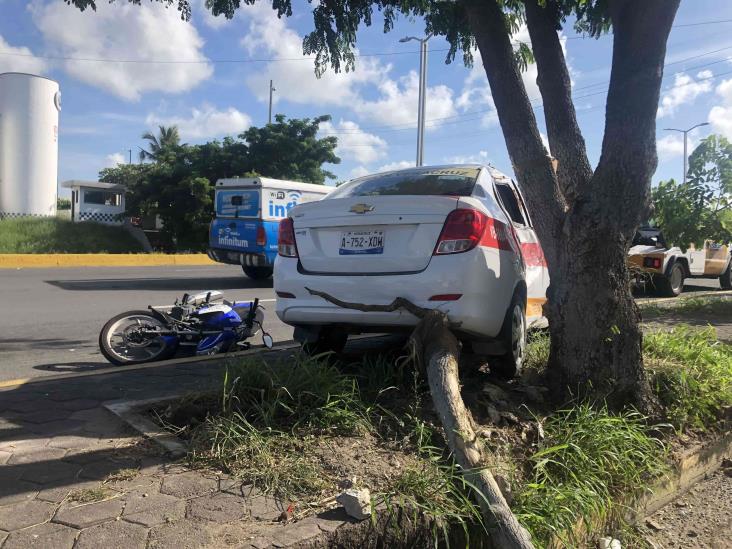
(456, 238)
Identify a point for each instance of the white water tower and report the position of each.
(29, 107)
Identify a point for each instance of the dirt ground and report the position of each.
(701, 518)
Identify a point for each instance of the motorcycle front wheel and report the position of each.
(125, 339)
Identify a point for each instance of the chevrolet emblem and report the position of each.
(361, 208)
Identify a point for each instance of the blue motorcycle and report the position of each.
(205, 324)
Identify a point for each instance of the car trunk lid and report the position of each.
(370, 234)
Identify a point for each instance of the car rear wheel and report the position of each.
(329, 340)
(673, 284)
(513, 336)
(257, 273)
(725, 279)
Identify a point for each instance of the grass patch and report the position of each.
(122, 475)
(589, 459)
(691, 372)
(708, 305)
(52, 235)
(89, 495)
(278, 424)
(434, 487)
(269, 423)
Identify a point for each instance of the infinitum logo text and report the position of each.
(229, 241)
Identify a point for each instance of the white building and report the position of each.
(29, 110)
(95, 201)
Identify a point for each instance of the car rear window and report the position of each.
(418, 181)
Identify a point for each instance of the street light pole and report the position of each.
(271, 89)
(686, 133)
(422, 93)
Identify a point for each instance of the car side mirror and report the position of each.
(267, 340)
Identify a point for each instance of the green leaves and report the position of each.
(701, 208)
(177, 181)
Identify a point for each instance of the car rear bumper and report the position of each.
(233, 257)
(485, 293)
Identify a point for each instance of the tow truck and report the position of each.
(667, 267)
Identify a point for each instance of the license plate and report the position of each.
(362, 242)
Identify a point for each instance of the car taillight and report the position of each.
(261, 236)
(286, 245)
(462, 231)
(652, 262)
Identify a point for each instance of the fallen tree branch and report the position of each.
(437, 349)
(398, 303)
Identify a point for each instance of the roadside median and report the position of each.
(36, 261)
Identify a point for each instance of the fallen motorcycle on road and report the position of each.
(204, 323)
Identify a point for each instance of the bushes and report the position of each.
(50, 235)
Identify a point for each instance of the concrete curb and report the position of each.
(682, 297)
(39, 261)
(691, 467)
(255, 350)
(130, 412)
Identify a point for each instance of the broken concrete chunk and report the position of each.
(357, 503)
(608, 543)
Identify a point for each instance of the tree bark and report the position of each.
(565, 138)
(438, 350)
(585, 223)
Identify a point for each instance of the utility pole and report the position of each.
(686, 156)
(422, 93)
(130, 151)
(271, 89)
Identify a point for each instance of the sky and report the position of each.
(127, 69)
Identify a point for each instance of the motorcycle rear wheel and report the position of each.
(116, 340)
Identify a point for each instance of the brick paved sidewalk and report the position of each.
(74, 475)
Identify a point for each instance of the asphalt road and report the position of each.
(50, 318)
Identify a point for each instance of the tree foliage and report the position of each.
(166, 142)
(701, 208)
(177, 183)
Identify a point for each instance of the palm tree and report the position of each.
(166, 140)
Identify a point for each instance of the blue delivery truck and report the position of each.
(248, 213)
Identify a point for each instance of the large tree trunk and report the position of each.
(437, 350)
(585, 221)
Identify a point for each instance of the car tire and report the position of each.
(513, 336)
(673, 284)
(257, 273)
(330, 340)
(725, 279)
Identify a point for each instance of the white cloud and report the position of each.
(670, 145)
(20, 59)
(112, 160)
(720, 117)
(359, 171)
(126, 32)
(204, 122)
(476, 92)
(295, 80)
(398, 102)
(480, 158)
(399, 165)
(354, 143)
(685, 90)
